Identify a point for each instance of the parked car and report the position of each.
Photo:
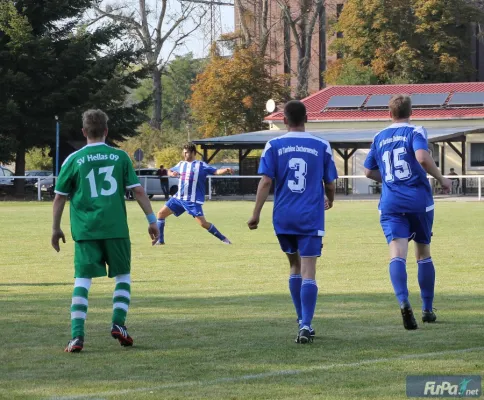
(151, 182)
(46, 181)
(5, 177)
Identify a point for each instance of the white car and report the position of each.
(5, 177)
(46, 181)
(151, 182)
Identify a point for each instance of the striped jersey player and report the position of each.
(191, 174)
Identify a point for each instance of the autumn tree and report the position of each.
(408, 41)
(229, 96)
(159, 32)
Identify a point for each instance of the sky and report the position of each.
(198, 42)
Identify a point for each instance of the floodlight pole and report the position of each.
(57, 132)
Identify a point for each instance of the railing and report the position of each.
(238, 185)
(7, 184)
(243, 185)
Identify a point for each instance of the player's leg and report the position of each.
(172, 206)
(288, 245)
(196, 211)
(118, 257)
(396, 228)
(422, 226)
(309, 250)
(89, 263)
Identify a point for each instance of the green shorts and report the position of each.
(91, 257)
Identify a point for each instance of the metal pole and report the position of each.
(479, 188)
(57, 132)
(210, 188)
(39, 195)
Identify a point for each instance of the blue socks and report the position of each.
(309, 295)
(426, 280)
(295, 282)
(215, 232)
(398, 276)
(161, 226)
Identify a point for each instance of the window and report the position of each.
(477, 154)
(339, 10)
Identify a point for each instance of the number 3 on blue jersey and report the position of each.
(401, 169)
(301, 168)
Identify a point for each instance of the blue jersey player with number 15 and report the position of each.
(399, 158)
(303, 169)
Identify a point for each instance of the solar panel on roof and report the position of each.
(429, 99)
(467, 98)
(378, 100)
(345, 101)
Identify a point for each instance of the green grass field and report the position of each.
(216, 322)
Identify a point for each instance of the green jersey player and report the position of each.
(95, 178)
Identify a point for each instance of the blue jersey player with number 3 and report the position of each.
(399, 158)
(303, 169)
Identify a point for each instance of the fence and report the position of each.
(35, 186)
(230, 185)
(235, 185)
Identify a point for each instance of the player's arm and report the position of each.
(372, 170)
(421, 149)
(57, 234)
(329, 190)
(145, 204)
(173, 174)
(262, 193)
(428, 164)
(224, 171)
(373, 174)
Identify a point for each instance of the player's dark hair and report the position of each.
(295, 113)
(94, 123)
(190, 147)
(400, 106)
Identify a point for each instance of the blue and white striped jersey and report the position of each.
(191, 184)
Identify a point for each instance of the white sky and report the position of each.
(198, 42)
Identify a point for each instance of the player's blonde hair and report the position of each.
(94, 123)
(400, 106)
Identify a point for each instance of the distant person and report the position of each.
(399, 158)
(303, 170)
(455, 181)
(191, 192)
(163, 175)
(95, 178)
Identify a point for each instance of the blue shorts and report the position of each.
(308, 246)
(416, 226)
(180, 206)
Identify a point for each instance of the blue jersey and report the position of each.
(405, 187)
(191, 184)
(299, 163)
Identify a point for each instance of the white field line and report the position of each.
(263, 375)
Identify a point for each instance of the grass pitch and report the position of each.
(216, 322)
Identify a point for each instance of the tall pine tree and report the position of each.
(50, 65)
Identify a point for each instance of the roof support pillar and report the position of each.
(442, 159)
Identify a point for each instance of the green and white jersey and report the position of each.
(96, 178)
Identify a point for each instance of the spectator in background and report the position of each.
(455, 181)
(163, 174)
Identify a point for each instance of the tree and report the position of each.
(349, 71)
(177, 81)
(38, 158)
(408, 41)
(253, 13)
(168, 32)
(302, 23)
(229, 96)
(48, 68)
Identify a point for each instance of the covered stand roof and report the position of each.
(338, 138)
